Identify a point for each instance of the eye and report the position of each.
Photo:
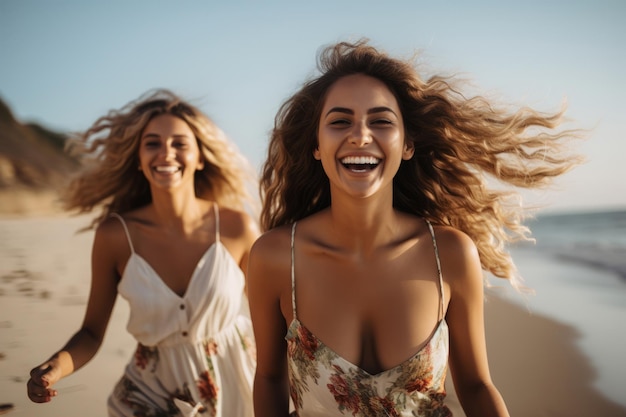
(381, 122)
(339, 122)
(181, 142)
(151, 144)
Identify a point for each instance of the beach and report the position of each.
(542, 364)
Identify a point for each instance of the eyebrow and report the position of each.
(155, 135)
(350, 111)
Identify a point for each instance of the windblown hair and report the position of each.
(457, 141)
(110, 153)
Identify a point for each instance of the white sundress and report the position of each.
(195, 353)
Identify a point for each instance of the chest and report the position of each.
(372, 311)
(388, 276)
(174, 262)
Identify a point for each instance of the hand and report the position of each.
(41, 380)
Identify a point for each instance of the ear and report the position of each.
(409, 150)
(316, 153)
(200, 166)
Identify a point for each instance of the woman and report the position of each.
(172, 239)
(368, 280)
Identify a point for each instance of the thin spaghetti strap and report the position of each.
(293, 271)
(121, 219)
(216, 210)
(432, 234)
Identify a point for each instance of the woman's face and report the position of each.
(168, 152)
(361, 136)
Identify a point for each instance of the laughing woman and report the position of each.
(173, 239)
(368, 280)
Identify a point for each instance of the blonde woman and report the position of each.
(368, 281)
(173, 239)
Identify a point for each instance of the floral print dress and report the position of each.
(322, 383)
(195, 353)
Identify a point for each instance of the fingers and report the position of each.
(39, 385)
(38, 393)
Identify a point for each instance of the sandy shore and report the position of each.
(44, 282)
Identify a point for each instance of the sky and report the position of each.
(64, 63)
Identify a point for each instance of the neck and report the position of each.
(363, 225)
(180, 212)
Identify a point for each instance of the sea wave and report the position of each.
(596, 239)
(607, 257)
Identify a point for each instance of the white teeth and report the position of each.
(360, 160)
(168, 169)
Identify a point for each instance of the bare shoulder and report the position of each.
(111, 232)
(111, 246)
(269, 266)
(270, 257)
(237, 224)
(450, 239)
(273, 245)
(460, 261)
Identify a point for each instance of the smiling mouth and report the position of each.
(360, 163)
(167, 169)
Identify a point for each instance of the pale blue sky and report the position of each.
(66, 62)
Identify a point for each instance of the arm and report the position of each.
(84, 344)
(269, 277)
(468, 352)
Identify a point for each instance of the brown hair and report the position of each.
(457, 140)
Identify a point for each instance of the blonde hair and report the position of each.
(110, 148)
(457, 140)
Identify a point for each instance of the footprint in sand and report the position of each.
(25, 283)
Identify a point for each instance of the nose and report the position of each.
(360, 135)
(167, 151)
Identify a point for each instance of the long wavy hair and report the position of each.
(110, 153)
(457, 141)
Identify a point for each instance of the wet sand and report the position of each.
(44, 282)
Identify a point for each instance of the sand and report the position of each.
(44, 282)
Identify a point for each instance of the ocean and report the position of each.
(577, 269)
